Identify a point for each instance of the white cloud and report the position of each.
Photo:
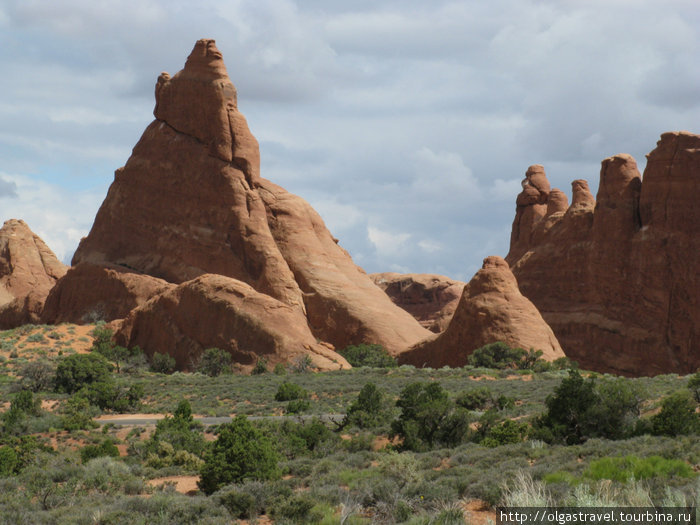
(387, 243)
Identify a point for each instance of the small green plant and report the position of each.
(297, 406)
(280, 369)
(475, 399)
(368, 410)
(374, 356)
(260, 367)
(623, 469)
(162, 363)
(214, 362)
(106, 448)
(75, 371)
(240, 452)
(497, 355)
(694, 386)
(290, 391)
(677, 416)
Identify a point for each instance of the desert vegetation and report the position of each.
(379, 443)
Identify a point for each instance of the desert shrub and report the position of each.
(294, 439)
(106, 448)
(78, 413)
(162, 363)
(180, 430)
(694, 386)
(677, 416)
(37, 376)
(301, 364)
(239, 504)
(106, 395)
(374, 356)
(240, 452)
(214, 362)
(475, 399)
(290, 391)
(297, 406)
(297, 508)
(580, 409)
(23, 405)
(506, 432)
(8, 461)
(428, 418)
(260, 367)
(368, 410)
(280, 369)
(77, 370)
(497, 355)
(622, 469)
(104, 345)
(17, 453)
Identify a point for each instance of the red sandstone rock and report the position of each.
(88, 293)
(213, 311)
(491, 309)
(619, 283)
(431, 299)
(28, 270)
(190, 201)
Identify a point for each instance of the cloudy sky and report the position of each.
(407, 124)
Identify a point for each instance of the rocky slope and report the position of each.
(190, 201)
(618, 277)
(491, 309)
(28, 270)
(431, 299)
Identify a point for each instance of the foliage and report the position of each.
(497, 355)
(428, 418)
(301, 364)
(106, 448)
(260, 367)
(240, 452)
(475, 399)
(37, 376)
(297, 406)
(77, 370)
(677, 416)
(622, 469)
(22, 406)
(214, 362)
(280, 369)
(104, 345)
(106, 395)
(290, 391)
(506, 432)
(162, 363)
(694, 386)
(374, 356)
(368, 410)
(180, 430)
(78, 413)
(579, 409)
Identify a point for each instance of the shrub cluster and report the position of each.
(374, 356)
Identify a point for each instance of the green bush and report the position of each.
(104, 345)
(290, 391)
(475, 399)
(78, 370)
(280, 369)
(37, 376)
(374, 356)
(240, 452)
(428, 418)
(368, 410)
(297, 406)
(78, 413)
(623, 469)
(106, 448)
(260, 367)
(694, 386)
(162, 363)
(214, 362)
(506, 432)
(677, 416)
(497, 355)
(106, 395)
(180, 430)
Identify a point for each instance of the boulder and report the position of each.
(213, 311)
(28, 270)
(431, 299)
(491, 309)
(90, 293)
(618, 277)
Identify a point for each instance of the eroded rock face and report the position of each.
(213, 311)
(430, 299)
(618, 277)
(491, 309)
(89, 293)
(190, 201)
(28, 270)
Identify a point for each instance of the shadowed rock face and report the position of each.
(491, 309)
(28, 270)
(431, 299)
(190, 201)
(618, 278)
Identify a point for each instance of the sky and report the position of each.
(407, 124)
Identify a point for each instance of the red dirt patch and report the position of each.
(183, 484)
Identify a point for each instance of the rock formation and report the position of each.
(491, 309)
(431, 299)
(89, 293)
(618, 278)
(213, 311)
(190, 201)
(28, 270)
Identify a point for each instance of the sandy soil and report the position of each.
(477, 512)
(183, 484)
